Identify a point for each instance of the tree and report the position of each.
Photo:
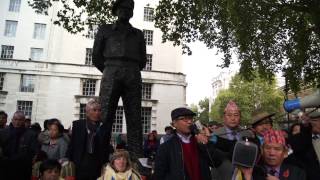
(270, 35)
(201, 110)
(76, 16)
(267, 35)
(258, 94)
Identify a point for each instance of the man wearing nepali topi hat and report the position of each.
(272, 166)
(231, 131)
(306, 145)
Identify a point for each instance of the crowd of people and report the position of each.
(84, 153)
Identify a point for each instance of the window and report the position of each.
(118, 121)
(92, 32)
(11, 28)
(88, 56)
(146, 91)
(39, 31)
(146, 119)
(25, 107)
(82, 112)
(2, 80)
(14, 5)
(7, 52)
(149, 63)
(148, 14)
(148, 36)
(27, 83)
(89, 87)
(36, 54)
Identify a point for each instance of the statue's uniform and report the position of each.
(120, 54)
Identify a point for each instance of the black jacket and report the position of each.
(169, 164)
(18, 148)
(304, 152)
(77, 151)
(287, 172)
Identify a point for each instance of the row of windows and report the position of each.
(27, 84)
(89, 88)
(148, 14)
(7, 52)
(119, 116)
(39, 29)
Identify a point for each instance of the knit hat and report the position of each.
(231, 106)
(274, 136)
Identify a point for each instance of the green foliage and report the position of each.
(271, 36)
(77, 15)
(249, 96)
(202, 110)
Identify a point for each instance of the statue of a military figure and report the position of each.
(119, 52)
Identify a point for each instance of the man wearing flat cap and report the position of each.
(306, 145)
(181, 157)
(119, 52)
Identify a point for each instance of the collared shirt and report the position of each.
(185, 139)
(232, 134)
(316, 136)
(276, 171)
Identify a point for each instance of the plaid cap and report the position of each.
(274, 136)
(231, 106)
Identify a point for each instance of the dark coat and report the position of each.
(78, 154)
(18, 150)
(287, 172)
(304, 152)
(169, 164)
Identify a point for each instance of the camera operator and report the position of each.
(306, 145)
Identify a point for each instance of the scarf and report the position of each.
(92, 129)
(110, 174)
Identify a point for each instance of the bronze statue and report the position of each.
(119, 52)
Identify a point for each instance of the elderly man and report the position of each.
(19, 146)
(88, 148)
(231, 132)
(119, 52)
(274, 151)
(181, 157)
(306, 145)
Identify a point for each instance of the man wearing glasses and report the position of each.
(181, 157)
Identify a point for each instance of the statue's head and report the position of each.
(123, 9)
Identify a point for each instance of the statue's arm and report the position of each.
(98, 47)
(143, 52)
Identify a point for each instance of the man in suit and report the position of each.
(306, 145)
(273, 167)
(89, 145)
(230, 131)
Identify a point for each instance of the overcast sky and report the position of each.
(200, 68)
